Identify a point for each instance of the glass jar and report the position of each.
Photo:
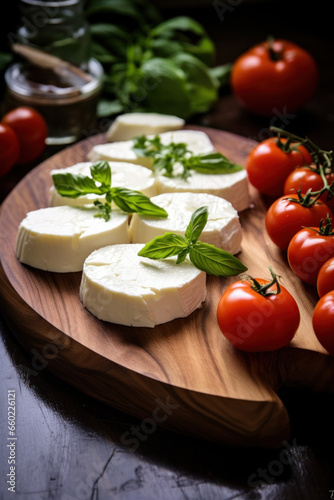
(69, 111)
(57, 27)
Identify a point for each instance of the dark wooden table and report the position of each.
(70, 446)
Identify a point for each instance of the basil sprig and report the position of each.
(130, 201)
(204, 256)
(166, 156)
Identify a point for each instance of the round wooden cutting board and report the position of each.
(182, 375)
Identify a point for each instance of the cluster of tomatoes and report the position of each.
(298, 177)
(272, 78)
(23, 132)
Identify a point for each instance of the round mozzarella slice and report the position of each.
(222, 229)
(231, 187)
(59, 239)
(126, 175)
(196, 140)
(130, 125)
(120, 287)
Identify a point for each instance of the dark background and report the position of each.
(69, 444)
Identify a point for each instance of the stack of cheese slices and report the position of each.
(117, 285)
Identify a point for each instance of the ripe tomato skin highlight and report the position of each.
(279, 77)
(9, 149)
(284, 218)
(31, 130)
(304, 178)
(268, 165)
(307, 252)
(323, 321)
(254, 323)
(325, 280)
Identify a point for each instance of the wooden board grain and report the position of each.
(182, 375)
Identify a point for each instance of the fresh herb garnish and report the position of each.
(130, 201)
(152, 63)
(204, 256)
(167, 156)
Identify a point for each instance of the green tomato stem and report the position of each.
(319, 156)
(274, 54)
(264, 289)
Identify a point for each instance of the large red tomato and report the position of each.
(31, 130)
(274, 77)
(323, 321)
(270, 162)
(286, 216)
(9, 149)
(256, 318)
(309, 249)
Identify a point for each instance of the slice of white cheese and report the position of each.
(196, 140)
(222, 229)
(130, 125)
(123, 174)
(231, 187)
(120, 287)
(59, 239)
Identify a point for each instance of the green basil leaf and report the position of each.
(182, 23)
(165, 165)
(222, 74)
(107, 30)
(166, 87)
(201, 87)
(145, 147)
(213, 163)
(214, 260)
(204, 50)
(161, 247)
(73, 186)
(197, 223)
(100, 52)
(107, 108)
(101, 172)
(136, 202)
(105, 210)
(165, 47)
(182, 256)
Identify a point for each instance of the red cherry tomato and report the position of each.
(268, 164)
(31, 130)
(305, 178)
(323, 321)
(9, 148)
(325, 280)
(307, 252)
(274, 77)
(253, 322)
(285, 218)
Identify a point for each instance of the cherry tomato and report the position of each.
(308, 250)
(274, 77)
(323, 321)
(9, 149)
(253, 322)
(268, 164)
(31, 130)
(325, 280)
(285, 218)
(305, 178)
